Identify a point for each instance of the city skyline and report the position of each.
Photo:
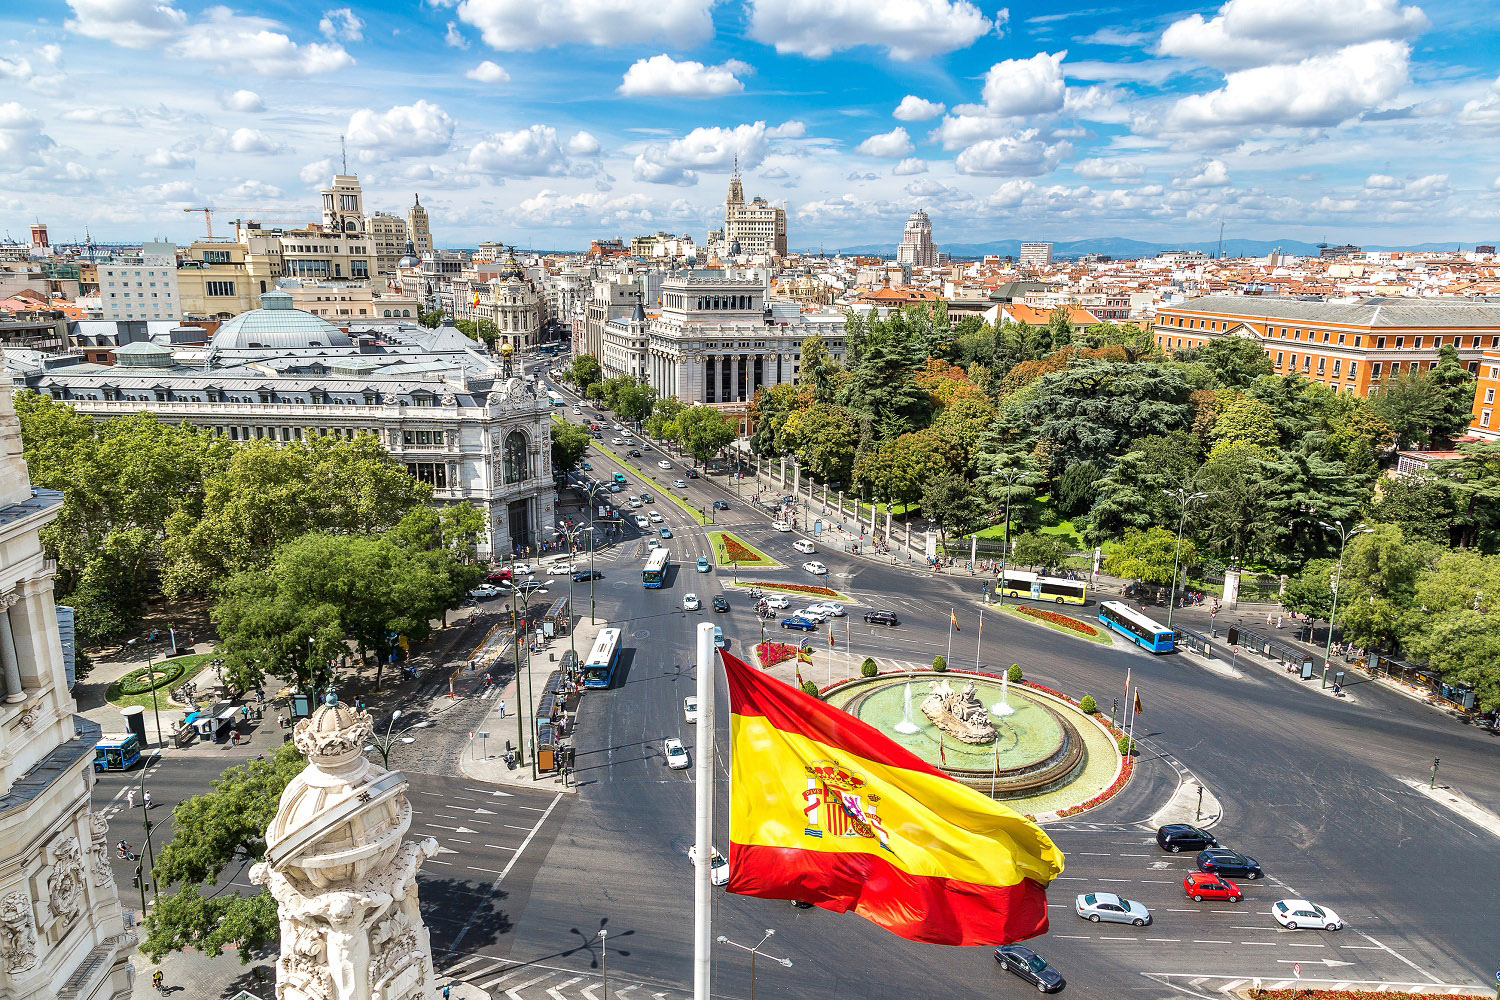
(1346, 121)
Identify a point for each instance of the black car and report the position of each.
(1030, 966)
(1230, 864)
(647, 498)
(721, 603)
(1178, 837)
(721, 505)
(692, 473)
(634, 453)
(585, 575)
(882, 618)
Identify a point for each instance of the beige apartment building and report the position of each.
(388, 234)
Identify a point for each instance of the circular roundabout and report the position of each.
(1035, 751)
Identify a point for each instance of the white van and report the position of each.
(804, 546)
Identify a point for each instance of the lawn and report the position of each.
(194, 664)
(662, 488)
(746, 555)
(1100, 636)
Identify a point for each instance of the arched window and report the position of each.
(262, 287)
(515, 457)
(387, 314)
(406, 312)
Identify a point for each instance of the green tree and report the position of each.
(432, 319)
(585, 370)
(1421, 504)
(662, 424)
(1378, 584)
(462, 525)
(898, 471)
(1148, 555)
(1088, 705)
(1077, 489)
(1132, 493)
(939, 663)
(211, 833)
(570, 443)
(955, 505)
(704, 432)
(824, 437)
(883, 385)
(1474, 480)
(483, 330)
(1310, 592)
(1246, 420)
(633, 400)
(1427, 407)
(770, 410)
(817, 369)
(1235, 362)
(1034, 549)
(868, 668)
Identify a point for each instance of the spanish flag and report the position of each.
(827, 810)
(953, 621)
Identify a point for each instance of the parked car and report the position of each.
(1110, 908)
(678, 484)
(781, 526)
(1030, 967)
(721, 603)
(585, 575)
(718, 865)
(804, 546)
(676, 754)
(800, 624)
(1199, 886)
(882, 618)
(663, 464)
(690, 602)
(703, 565)
(721, 505)
(815, 568)
(690, 709)
(1225, 862)
(1299, 913)
(1177, 837)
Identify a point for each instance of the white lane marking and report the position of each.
(553, 990)
(515, 992)
(500, 847)
(1396, 954)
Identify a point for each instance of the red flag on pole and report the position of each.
(1137, 703)
(1127, 684)
(953, 620)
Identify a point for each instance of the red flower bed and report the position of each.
(798, 588)
(1105, 795)
(1063, 621)
(735, 552)
(772, 653)
(1300, 993)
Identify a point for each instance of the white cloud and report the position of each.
(244, 141)
(1019, 155)
(133, 24)
(1318, 91)
(1116, 36)
(915, 109)
(172, 193)
(22, 140)
(341, 25)
(598, 208)
(126, 117)
(893, 144)
(527, 152)
(253, 190)
(678, 161)
(1210, 175)
(663, 76)
(241, 100)
(958, 131)
(906, 29)
(316, 172)
(1109, 169)
(583, 144)
(508, 25)
(454, 37)
(1383, 182)
(38, 68)
(169, 159)
(1483, 110)
(419, 129)
(488, 72)
(1032, 86)
(909, 166)
(775, 174)
(1248, 33)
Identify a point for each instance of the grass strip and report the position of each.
(1102, 638)
(720, 540)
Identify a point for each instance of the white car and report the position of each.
(656, 517)
(619, 427)
(777, 602)
(1106, 906)
(522, 569)
(679, 484)
(561, 569)
(690, 709)
(663, 464)
(1297, 913)
(815, 568)
(804, 546)
(677, 755)
(634, 503)
(617, 441)
(653, 542)
(690, 602)
(830, 609)
(576, 410)
(718, 865)
(485, 590)
(641, 522)
(812, 613)
(781, 526)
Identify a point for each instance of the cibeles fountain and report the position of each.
(343, 874)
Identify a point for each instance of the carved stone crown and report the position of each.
(333, 735)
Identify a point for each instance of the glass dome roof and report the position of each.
(278, 326)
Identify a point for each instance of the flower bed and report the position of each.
(1127, 766)
(730, 550)
(772, 653)
(795, 588)
(1082, 628)
(737, 552)
(1302, 993)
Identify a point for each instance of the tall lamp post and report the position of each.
(754, 951)
(1337, 527)
(385, 744)
(1183, 497)
(1010, 480)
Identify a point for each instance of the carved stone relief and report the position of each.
(65, 882)
(17, 933)
(99, 850)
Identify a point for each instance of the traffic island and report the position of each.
(1056, 621)
(160, 678)
(809, 591)
(732, 550)
(1350, 992)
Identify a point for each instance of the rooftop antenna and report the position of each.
(343, 154)
(1219, 255)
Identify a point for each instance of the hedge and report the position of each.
(138, 680)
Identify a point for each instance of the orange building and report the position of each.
(1349, 346)
(1486, 423)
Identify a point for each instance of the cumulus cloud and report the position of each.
(910, 165)
(454, 37)
(906, 29)
(316, 172)
(893, 144)
(135, 24)
(1109, 169)
(420, 129)
(583, 144)
(22, 140)
(244, 141)
(169, 159)
(678, 161)
(527, 152)
(253, 190)
(1248, 33)
(39, 67)
(597, 208)
(915, 109)
(1019, 155)
(341, 25)
(1210, 175)
(663, 76)
(241, 100)
(509, 25)
(1319, 91)
(488, 72)
(1483, 110)
(1032, 86)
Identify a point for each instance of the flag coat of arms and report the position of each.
(826, 809)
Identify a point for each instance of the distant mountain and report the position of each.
(1121, 248)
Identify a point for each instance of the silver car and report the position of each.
(1106, 906)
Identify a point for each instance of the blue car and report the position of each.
(801, 624)
(665, 532)
(703, 566)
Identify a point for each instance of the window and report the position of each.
(1353, 366)
(1341, 338)
(1379, 341)
(1337, 364)
(219, 288)
(1489, 395)
(1484, 418)
(349, 202)
(1278, 358)
(515, 457)
(1400, 341)
(216, 256)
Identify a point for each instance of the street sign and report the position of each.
(1297, 970)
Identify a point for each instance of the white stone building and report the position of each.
(916, 247)
(756, 230)
(62, 930)
(143, 287)
(1035, 256)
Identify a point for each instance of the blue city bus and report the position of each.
(599, 668)
(655, 574)
(117, 753)
(1136, 627)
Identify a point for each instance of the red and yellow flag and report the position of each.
(826, 809)
(953, 621)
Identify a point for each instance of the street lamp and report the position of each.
(385, 744)
(1183, 498)
(1010, 479)
(754, 951)
(604, 960)
(1337, 527)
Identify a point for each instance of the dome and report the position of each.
(408, 256)
(277, 326)
(143, 354)
(511, 270)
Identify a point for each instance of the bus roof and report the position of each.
(1124, 611)
(604, 646)
(658, 559)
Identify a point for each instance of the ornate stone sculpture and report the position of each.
(17, 933)
(960, 715)
(99, 850)
(65, 883)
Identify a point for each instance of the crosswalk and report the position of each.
(529, 981)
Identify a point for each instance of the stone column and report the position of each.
(841, 505)
(887, 521)
(8, 662)
(1231, 589)
(783, 472)
(796, 477)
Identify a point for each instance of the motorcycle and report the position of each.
(510, 759)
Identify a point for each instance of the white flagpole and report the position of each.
(949, 657)
(1131, 709)
(703, 929)
(978, 643)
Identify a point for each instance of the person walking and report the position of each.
(146, 799)
(130, 798)
(502, 708)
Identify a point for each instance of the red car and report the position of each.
(1206, 885)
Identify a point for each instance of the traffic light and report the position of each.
(136, 881)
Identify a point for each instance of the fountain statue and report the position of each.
(907, 726)
(960, 715)
(343, 875)
(1003, 707)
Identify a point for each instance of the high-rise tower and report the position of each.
(416, 226)
(916, 247)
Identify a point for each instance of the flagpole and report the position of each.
(703, 929)
(979, 643)
(949, 657)
(1127, 695)
(1130, 707)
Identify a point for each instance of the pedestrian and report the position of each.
(146, 799)
(502, 708)
(130, 798)
(234, 737)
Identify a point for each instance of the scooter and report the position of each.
(510, 759)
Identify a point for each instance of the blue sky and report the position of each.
(550, 122)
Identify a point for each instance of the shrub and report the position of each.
(1088, 704)
(939, 664)
(810, 689)
(139, 681)
(868, 668)
(1015, 673)
(1127, 746)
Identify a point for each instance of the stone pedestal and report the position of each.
(1231, 589)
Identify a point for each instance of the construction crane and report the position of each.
(253, 214)
(208, 218)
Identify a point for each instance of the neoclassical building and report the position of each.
(438, 401)
(63, 934)
(512, 302)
